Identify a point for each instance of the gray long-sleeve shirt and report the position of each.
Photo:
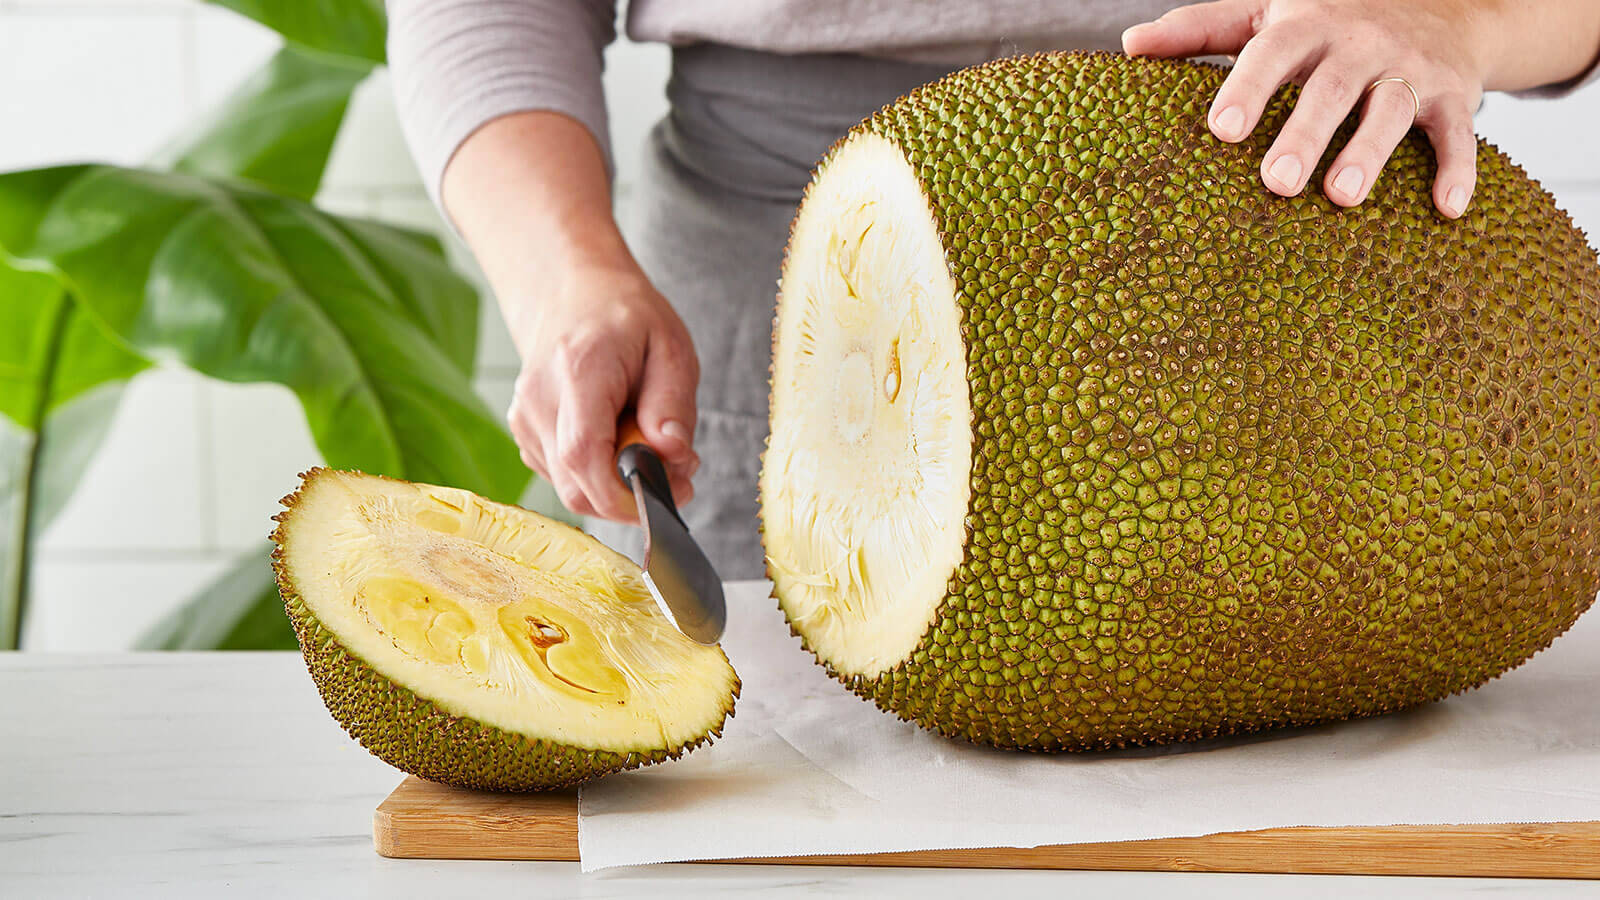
(458, 64)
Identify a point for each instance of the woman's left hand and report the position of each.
(1345, 53)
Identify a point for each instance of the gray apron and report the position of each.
(722, 176)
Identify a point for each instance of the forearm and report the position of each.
(1533, 43)
(529, 193)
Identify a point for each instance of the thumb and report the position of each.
(665, 405)
(1201, 29)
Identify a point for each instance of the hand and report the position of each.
(601, 341)
(529, 192)
(1337, 48)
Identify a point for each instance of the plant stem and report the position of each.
(14, 599)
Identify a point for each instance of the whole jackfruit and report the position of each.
(483, 645)
(1080, 438)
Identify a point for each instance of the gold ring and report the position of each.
(1416, 101)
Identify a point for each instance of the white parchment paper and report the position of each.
(805, 767)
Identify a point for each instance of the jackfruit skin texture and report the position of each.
(1240, 461)
(415, 735)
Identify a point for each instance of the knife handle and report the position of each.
(628, 434)
(634, 457)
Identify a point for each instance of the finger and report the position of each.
(1329, 95)
(533, 457)
(532, 423)
(665, 405)
(1271, 58)
(1386, 118)
(1197, 30)
(682, 485)
(520, 419)
(1448, 124)
(682, 479)
(585, 444)
(571, 493)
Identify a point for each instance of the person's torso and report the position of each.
(959, 32)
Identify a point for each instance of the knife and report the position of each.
(683, 582)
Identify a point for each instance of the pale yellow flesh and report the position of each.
(501, 615)
(864, 486)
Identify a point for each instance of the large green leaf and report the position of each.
(373, 335)
(348, 27)
(60, 376)
(240, 610)
(278, 127)
(435, 295)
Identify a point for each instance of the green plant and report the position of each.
(214, 258)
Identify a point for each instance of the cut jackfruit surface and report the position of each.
(1081, 438)
(865, 483)
(483, 645)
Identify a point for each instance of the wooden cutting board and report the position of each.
(422, 820)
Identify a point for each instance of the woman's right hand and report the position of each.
(600, 342)
(529, 193)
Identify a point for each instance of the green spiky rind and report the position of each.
(416, 735)
(1419, 364)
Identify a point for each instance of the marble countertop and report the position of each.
(212, 774)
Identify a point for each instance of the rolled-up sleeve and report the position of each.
(457, 64)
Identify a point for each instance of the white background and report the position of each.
(193, 468)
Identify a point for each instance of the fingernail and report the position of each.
(1229, 123)
(1455, 200)
(674, 429)
(1286, 171)
(1348, 181)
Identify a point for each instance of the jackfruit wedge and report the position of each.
(483, 645)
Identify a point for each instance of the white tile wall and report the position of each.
(104, 601)
(193, 469)
(1582, 202)
(1556, 140)
(224, 47)
(256, 440)
(144, 490)
(370, 151)
(636, 80)
(86, 83)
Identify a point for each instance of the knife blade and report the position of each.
(682, 580)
